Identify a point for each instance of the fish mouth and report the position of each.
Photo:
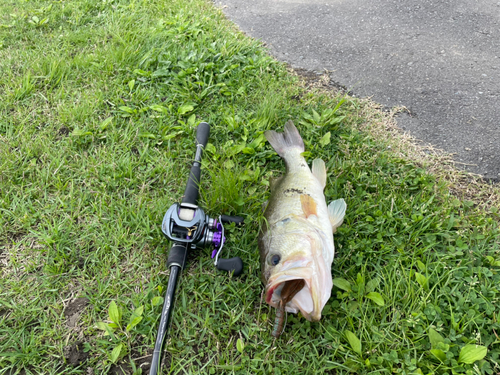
(307, 300)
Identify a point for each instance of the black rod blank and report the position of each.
(165, 319)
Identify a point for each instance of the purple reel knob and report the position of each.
(218, 239)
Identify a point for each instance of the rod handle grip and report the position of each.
(234, 265)
(177, 255)
(192, 187)
(202, 134)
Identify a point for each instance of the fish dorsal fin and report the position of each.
(283, 142)
(308, 205)
(319, 171)
(336, 213)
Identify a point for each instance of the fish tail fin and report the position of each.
(336, 213)
(289, 139)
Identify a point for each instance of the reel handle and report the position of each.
(234, 265)
(192, 188)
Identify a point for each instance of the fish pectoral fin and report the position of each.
(336, 213)
(308, 205)
(319, 171)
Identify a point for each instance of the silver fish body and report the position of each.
(296, 239)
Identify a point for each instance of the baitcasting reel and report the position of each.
(198, 229)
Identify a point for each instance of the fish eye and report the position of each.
(274, 260)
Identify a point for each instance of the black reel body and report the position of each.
(199, 230)
(184, 231)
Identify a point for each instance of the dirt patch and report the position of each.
(320, 80)
(76, 306)
(74, 309)
(64, 131)
(75, 354)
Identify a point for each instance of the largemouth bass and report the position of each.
(296, 238)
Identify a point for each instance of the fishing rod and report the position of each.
(187, 226)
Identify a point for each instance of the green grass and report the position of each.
(99, 100)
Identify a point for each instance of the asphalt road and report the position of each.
(438, 58)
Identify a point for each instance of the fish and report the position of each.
(296, 235)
